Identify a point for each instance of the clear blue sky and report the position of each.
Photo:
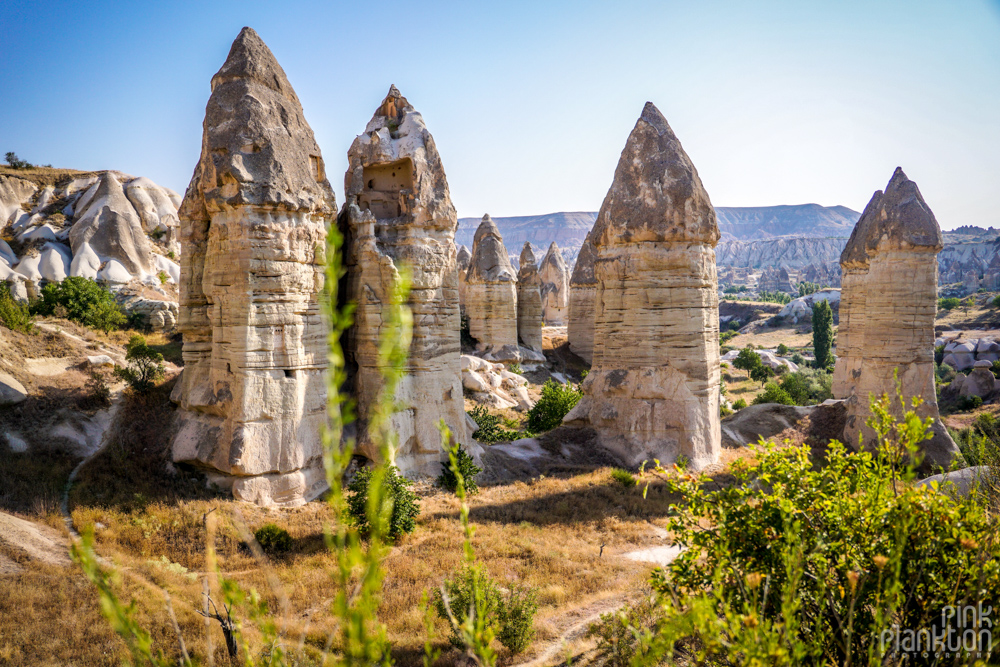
(530, 102)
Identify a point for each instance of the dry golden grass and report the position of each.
(769, 338)
(43, 175)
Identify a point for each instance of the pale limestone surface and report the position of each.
(399, 213)
(462, 259)
(109, 225)
(553, 274)
(13, 192)
(253, 222)
(529, 301)
(653, 389)
(888, 305)
(582, 291)
(491, 291)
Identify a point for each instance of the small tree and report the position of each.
(822, 321)
(16, 162)
(762, 374)
(144, 365)
(782, 350)
(747, 360)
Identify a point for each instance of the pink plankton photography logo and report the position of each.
(962, 631)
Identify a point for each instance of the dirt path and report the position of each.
(572, 627)
(39, 542)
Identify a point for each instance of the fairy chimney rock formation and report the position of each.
(529, 301)
(491, 292)
(399, 214)
(887, 310)
(462, 259)
(582, 290)
(553, 273)
(653, 389)
(253, 225)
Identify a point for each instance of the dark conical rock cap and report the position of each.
(554, 256)
(257, 148)
(463, 257)
(896, 219)
(527, 255)
(583, 272)
(490, 261)
(528, 264)
(656, 194)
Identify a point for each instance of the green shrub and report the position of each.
(939, 354)
(16, 162)
(15, 316)
(163, 276)
(144, 366)
(405, 506)
(466, 467)
(490, 426)
(726, 336)
(761, 373)
(969, 402)
(822, 322)
(797, 359)
(556, 402)
(816, 563)
(806, 287)
(618, 632)
(773, 394)
(747, 360)
(774, 297)
(949, 303)
(782, 350)
(740, 404)
(509, 617)
(84, 301)
(724, 410)
(624, 478)
(996, 301)
(808, 386)
(515, 368)
(273, 539)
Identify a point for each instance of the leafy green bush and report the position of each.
(556, 402)
(740, 404)
(806, 287)
(996, 301)
(747, 360)
(817, 564)
(16, 162)
(624, 478)
(808, 386)
(618, 632)
(724, 410)
(970, 402)
(761, 373)
(467, 468)
(85, 302)
(949, 303)
(782, 350)
(405, 506)
(490, 426)
(774, 297)
(509, 617)
(273, 539)
(797, 359)
(726, 336)
(773, 394)
(144, 365)
(15, 316)
(515, 368)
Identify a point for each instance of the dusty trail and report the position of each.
(573, 627)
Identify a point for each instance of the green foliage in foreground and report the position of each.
(556, 402)
(15, 316)
(466, 467)
(405, 506)
(795, 565)
(83, 301)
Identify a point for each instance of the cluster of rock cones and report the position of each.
(643, 307)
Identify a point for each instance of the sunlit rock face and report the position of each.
(399, 214)
(253, 227)
(653, 389)
(529, 301)
(491, 291)
(887, 311)
(553, 275)
(582, 290)
(462, 260)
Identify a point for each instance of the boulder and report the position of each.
(399, 212)
(980, 382)
(800, 309)
(12, 392)
(961, 482)
(889, 301)
(100, 361)
(252, 398)
(529, 301)
(582, 291)
(653, 388)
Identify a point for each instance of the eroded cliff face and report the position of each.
(653, 390)
(553, 274)
(888, 305)
(399, 213)
(529, 301)
(253, 226)
(582, 292)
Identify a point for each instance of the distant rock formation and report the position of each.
(399, 212)
(109, 225)
(491, 293)
(887, 310)
(253, 222)
(463, 258)
(529, 301)
(653, 389)
(774, 280)
(582, 291)
(554, 276)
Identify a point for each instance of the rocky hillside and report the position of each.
(765, 222)
(788, 253)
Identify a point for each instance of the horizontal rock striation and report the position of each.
(582, 292)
